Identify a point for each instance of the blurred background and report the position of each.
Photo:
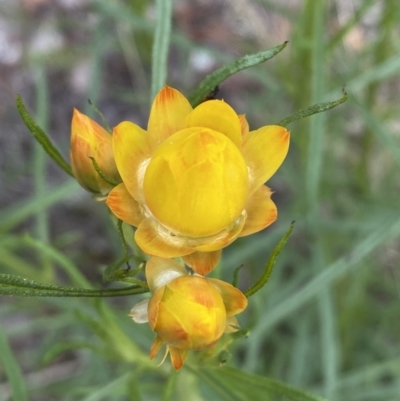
(329, 319)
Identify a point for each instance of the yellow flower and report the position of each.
(193, 182)
(90, 140)
(186, 311)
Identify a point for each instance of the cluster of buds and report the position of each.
(191, 184)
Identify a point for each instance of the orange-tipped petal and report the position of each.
(124, 206)
(261, 211)
(203, 262)
(155, 240)
(155, 347)
(167, 115)
(264, 151)
(178, 357)
(219, 116)
(131, 151)
(234, 300)
(160, 271)
(244, 125)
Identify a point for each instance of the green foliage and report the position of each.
(260, 283)
(234, 385)
(19, 286)
(41, 137)
(328, 321)
(221, 74)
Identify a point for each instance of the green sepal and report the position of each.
(101, 115)
(42, 138)
(215, 78)
(103, 176)
(114, 272)
(315, 109)
(19, 286)
(270, 264)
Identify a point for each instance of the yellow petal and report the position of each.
(167, 115)
(203, 180)
(160, 271)
(244, 125)
(155, 240)
(261, 211)
(264, 151)
(131, 151)
(219, 116)
(124, 206)
(203, 262)
(178, 357)
(234, 300)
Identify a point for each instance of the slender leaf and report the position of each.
(233, 384)
(42, 138)
(20, 211)
(12, 369)
(162, 36)
(270, 264)
(316, 108)
(214, 79)
(15, 285)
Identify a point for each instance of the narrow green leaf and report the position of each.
(58, 348)
(12, 370)
(108, 391)
(162, 36)
(19, 211)
(168, 393)
(103, 119)
(270, 264)
(236, 275)
(41, 137)
(243, 386)
(105, 177)
(19, 286)
(227, 70)
(386, 229)
(315, 109)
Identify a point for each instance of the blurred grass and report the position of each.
(328, 320)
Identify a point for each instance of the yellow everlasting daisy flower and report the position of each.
(186, 311)
(193, 182)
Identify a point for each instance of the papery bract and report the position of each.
(193, 182)
(89, 140)
(187, 312)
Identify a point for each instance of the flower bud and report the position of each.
(188, 313)
(90, 141)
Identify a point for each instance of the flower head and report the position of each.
(89, 140)
(193, 182)
(186, 312)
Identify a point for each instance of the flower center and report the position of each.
(196, 183)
